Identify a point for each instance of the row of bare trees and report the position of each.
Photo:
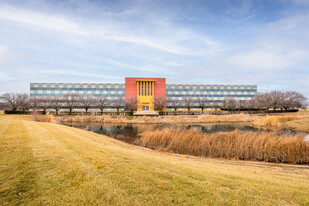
(283, 100)
(22, 102)
(190, 103)
(15, 101)
(274, 100)
(271, 100)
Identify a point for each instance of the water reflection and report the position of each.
(129, 132)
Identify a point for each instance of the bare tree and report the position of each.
(56, 103)
(22, 101)
(70, 101)
(243, 104)
(252, 104)
(202, 103)
(188, 103)
(230, 103)
(215, 104)
(131, 104)
(293, 99)
(118, 103)
(263, 101)
(11, 100)
(159, 103)
(300, 101)
(101, 103)
(44, 104)
(34, 103)
(3, 105)
(174, 103)
(86, 102)
(276, 98)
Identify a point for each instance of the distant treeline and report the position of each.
(270, 101)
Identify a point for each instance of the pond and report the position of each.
(129, 132)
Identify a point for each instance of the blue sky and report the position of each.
(194, 41)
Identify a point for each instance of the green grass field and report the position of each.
(51, 164)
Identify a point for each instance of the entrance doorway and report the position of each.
(145, 108)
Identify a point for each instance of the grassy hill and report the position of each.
(51, 164)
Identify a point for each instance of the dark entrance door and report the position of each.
(145, 108)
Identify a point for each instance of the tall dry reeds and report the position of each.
(262, 146)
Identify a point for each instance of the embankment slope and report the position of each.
(51, 164)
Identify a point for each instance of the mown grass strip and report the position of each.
(68, 166)
(17, 173)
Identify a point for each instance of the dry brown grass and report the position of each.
(299, 125)
(276, 121)
(80, 118)
(236, 145)
(161, 119)
(42, 118)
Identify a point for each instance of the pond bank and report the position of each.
(230, 141)
(130, 132)
(293, 121)
(161, 119)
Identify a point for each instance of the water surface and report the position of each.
(129, 132)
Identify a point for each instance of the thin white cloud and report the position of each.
(8, 57)
(301, 2)
(83, 74)
(265, 59)
(292, 25)
(6, 77)
(40, 19)
(99, 63)
(169, 38)
(280, 45)
(123, 65)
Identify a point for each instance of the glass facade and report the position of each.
(175, 92)
(84, 89)
(212, 92)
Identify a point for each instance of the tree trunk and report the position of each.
(56, 111)
(86, 110)
(101, 112)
